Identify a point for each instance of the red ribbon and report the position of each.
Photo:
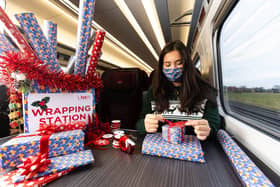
(33, 165)
(180, 124)
(46, 131)
(126, 144)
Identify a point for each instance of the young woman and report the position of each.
(179, 93)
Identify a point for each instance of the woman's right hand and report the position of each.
(151, 122)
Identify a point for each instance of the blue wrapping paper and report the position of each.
(5, 45)
(61, 143)
(248, 172)
(190, 149)
(173, 134)
(62, 163)
(51, 33)
(84, 31)
(38, 41)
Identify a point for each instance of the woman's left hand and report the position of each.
(201, 128)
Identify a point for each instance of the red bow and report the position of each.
(180, 124)
(33, 165)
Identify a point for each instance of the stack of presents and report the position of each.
(172, 143)
(57, 108)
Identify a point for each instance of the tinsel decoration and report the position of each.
(35, 70)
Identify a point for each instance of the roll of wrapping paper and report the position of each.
(38, 41)
(84, 31)
(96, 52)
(15, 34)
(248, 172)
(51, 33)
(5, 44)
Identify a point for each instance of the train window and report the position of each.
(249, 46)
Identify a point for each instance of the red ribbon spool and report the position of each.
(126, 144)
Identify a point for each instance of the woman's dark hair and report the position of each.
(193, 90)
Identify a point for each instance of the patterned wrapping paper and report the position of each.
(15, 34)
(5, 45)
(173, 135)
(96, 51)
(249, 173)
(7, 179)
(38, 41)
(66, 162)
(59, 144)
(190, 149)
(84, 31)
(51, 33)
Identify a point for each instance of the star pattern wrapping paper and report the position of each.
(7, 179)
(248, 172)
(61, 143)
(15, 34)
(190, 149)
(51, 33)
(173, 135)
(38, 41)
(96, 51)
(66, 162)
(5, 45)
(84, 31)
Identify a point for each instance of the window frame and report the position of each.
(255, 123)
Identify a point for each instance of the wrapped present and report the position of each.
(7, 179)
(190, 149)
(62, 163)
(173, 134)
(30, 144)
(248, 172)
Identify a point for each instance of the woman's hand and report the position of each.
(151, 122)
(201, 128)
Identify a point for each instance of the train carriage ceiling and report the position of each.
(174, 16)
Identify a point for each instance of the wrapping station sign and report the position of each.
(57, 108)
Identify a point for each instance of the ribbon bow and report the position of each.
(180, 124)
(175, 124)
(47, 129)
(31, 166)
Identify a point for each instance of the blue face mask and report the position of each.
(173, 74)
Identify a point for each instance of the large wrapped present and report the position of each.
(190, 149)
(58, 164)
(29, 145)
(173, 134)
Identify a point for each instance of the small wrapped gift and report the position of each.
(29, 145)
(173, 133)
(190, 149)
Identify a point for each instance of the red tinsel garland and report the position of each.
(35, 70)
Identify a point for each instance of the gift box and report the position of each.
(190, 149)
(59, 144)
(63, 163)
(173, 134)
(7, 179)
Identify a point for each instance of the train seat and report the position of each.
(121, 97)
